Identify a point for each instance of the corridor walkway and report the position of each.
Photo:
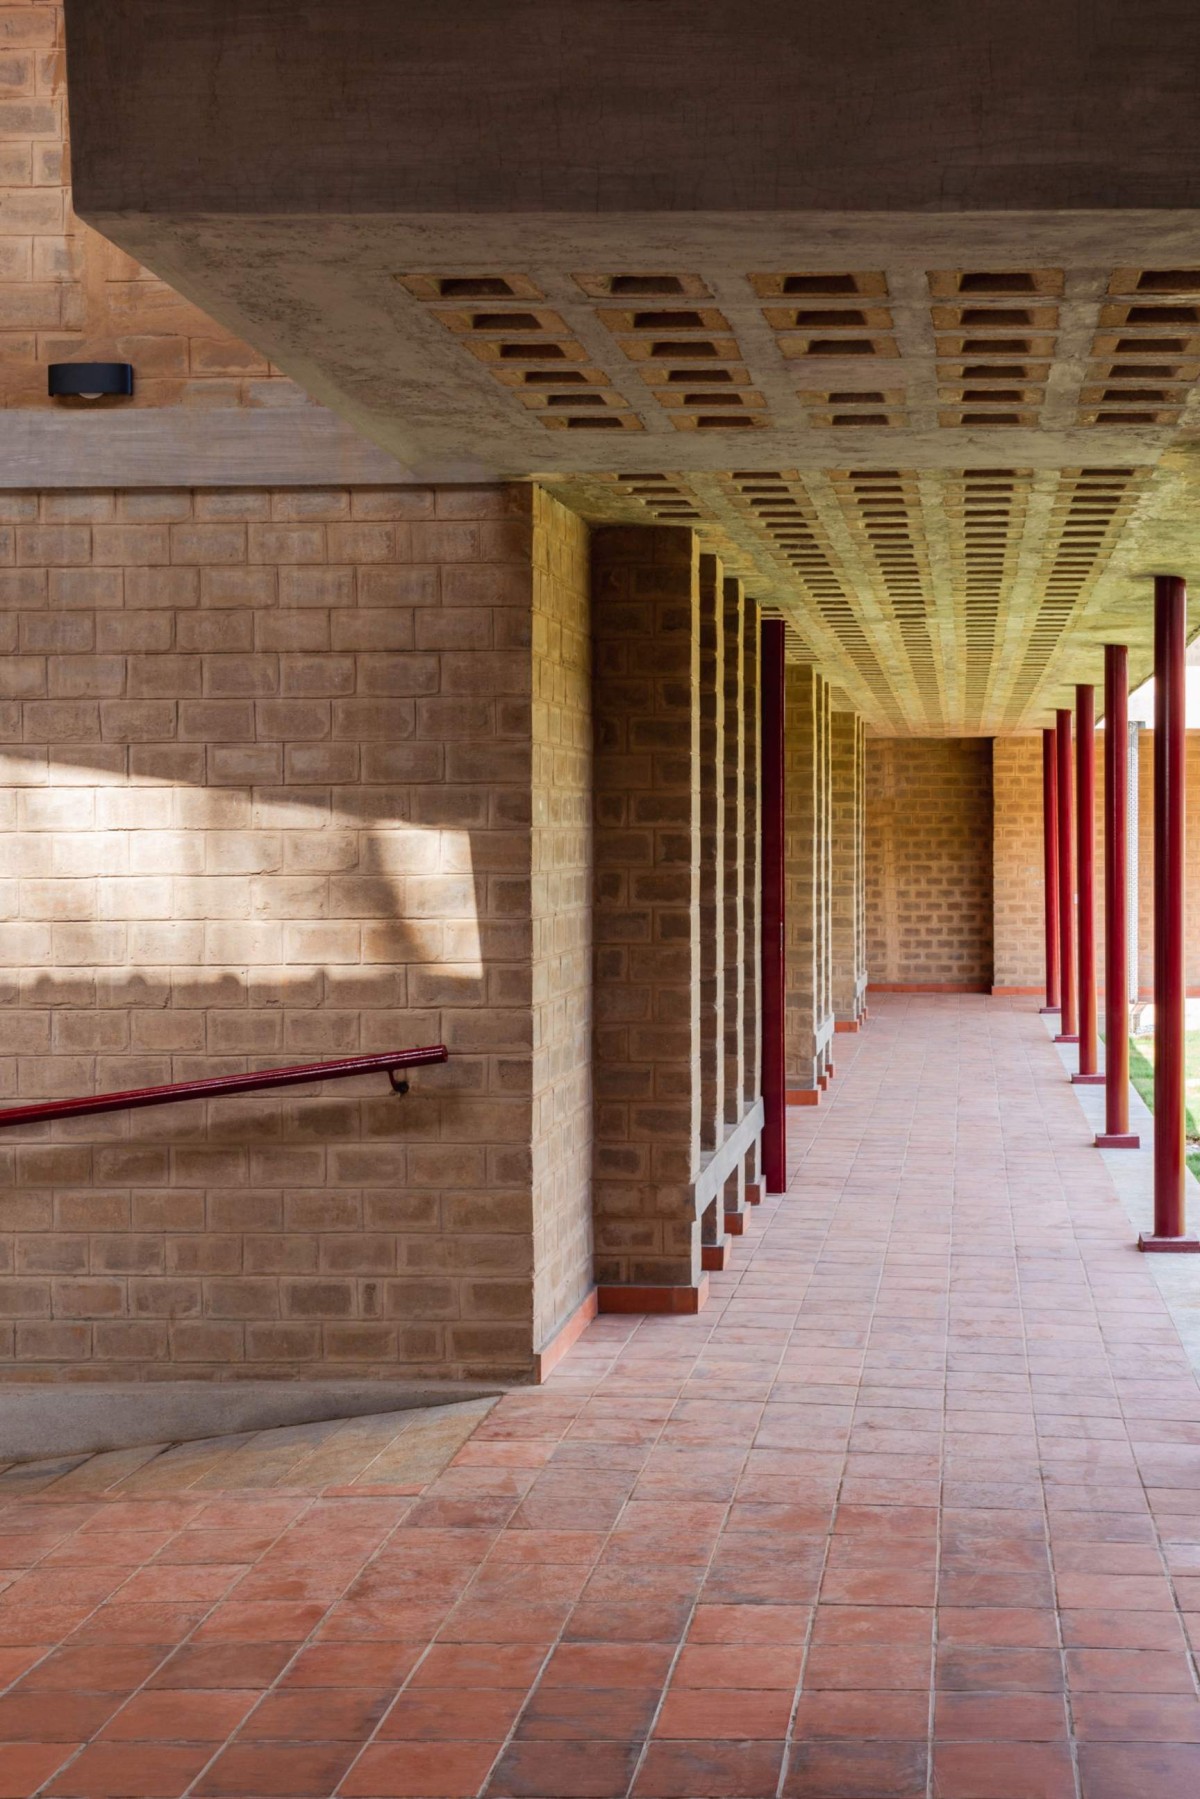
(912, 1508)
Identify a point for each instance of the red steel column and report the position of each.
(1170, 697)
(774, 1084)
(1085, 861)
(1066, 872)
(1050, 858)
(1116, 1133)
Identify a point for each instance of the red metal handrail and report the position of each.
(226, 1083)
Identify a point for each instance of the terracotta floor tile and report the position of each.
(25, 1766)
(260, 1621)
(761, 1624)
(618, 1714)
(1129, 1770)
(874, 1666)
(738, 1715)
(222, 1665)
(1128, 1671)
(131, 1771)
(1121, 1630)
(855, 1770)
(608, 1665)
(735, 1666)
(419, 1771)
(276, 1771)
(850, 1624)
(479, 1665)
(1003, 1770)
(173, 1717)
(654, 1621)
(878, 1586)
(60, 1717)
(999, 1670)
(1005, 1717)
(82, 1668)
(322, 1715)
(997, 1627)
(1132, 1717)
(709, 1770)
(861, 1713)
(361, 1665)
(453, 1714)
(563, 1770)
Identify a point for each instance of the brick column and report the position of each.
(809, 1024)
(862, 972)
(752, 841)
(846, 838)
(646, 1066)
(712, 853)
(825, 864)
(734, 624)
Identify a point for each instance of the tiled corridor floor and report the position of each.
(912, 1508)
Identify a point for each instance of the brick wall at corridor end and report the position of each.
(1019, 914)
(929, 862)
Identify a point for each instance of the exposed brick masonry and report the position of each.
(562, 915)
(809, 1018)
(269, 794)
(929, 861)
(647, 954)
(68, 294)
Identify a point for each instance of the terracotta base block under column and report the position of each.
(735, 1224)
(1046, 1010)
(1064, 1038)
(1087, 1080)
(1171, 1246)
(804, 1096)
(569, 1332)
(1118, 1140)
(715, 1256)
(847, 1025)
(679, 1300)
(754, 1193)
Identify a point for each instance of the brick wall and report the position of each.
(1020, 957)
(65, 292)
(929, 861)
(269, 795)
(562, 915)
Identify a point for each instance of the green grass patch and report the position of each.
(1141, 1073)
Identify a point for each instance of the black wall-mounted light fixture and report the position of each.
(90, 380)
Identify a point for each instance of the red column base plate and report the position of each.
(1176, 1246)
(1046, 1010)
(714, 1257)
(1088, 1080)
(1067, 1037)
(1118, 1140)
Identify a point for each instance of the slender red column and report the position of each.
(774, 1085)
(1050, 858)
(1085, 866)
(1170, 706)
(1066, 873)
(1116, 1133)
